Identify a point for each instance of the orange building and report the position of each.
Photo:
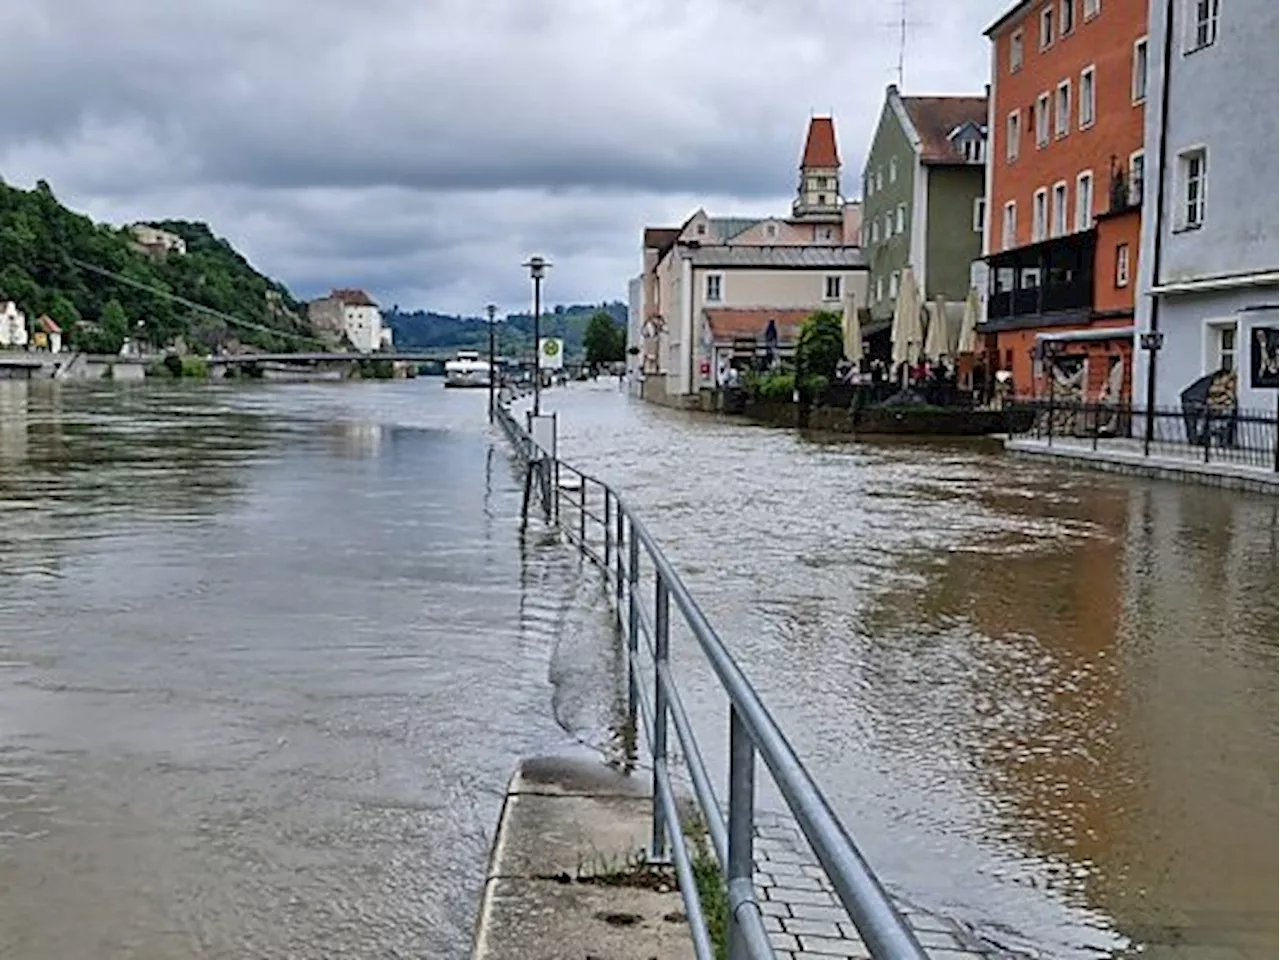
(1064, 186)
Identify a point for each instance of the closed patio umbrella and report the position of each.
(969, 324)
(936, 342)
(852, 335)
(907, 335)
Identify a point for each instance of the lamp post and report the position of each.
(491, 310)
(537, 270)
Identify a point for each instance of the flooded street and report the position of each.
(267, 658)
(268, 655)
(1043, 701)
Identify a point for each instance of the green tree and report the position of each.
(113, 327)
(820, 347)
(604, 340)
(63, 312)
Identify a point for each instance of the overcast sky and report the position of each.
(422, 149)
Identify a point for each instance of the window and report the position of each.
(971, 147)
(875, 230)
(715, 283)
(1194, 168)
(701, 230)
(1204, 24)
(1090, 8)
(1087, 94)
(1122, 265)
(822, 199)
(879, 288)
(770, 230)
(831, 288)
(1015, 51)
(1067, 16)
(888, 225)
(901, 225)
(868, 185)
(1012, 135)
(1009, 235)
(1062, 110)
(979, 214)
(1226, 348)
(893, 284)
(1046, 27)
(1137, 174)
(1059, 226)
(1084, 200)
(879, 178)
(1042, 120)
(1140, 70)
(1039, 215)
(893, 169)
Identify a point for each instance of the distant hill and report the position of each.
(58, 262)
(425, 330)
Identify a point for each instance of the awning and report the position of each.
(1105, 333)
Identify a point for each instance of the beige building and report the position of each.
(157, 242)
(350, 315)
(709, 284)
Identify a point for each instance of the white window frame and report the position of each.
(1043, 122)
(868, 184)
(1009, 226)
(1090, 9)
(1059, 211)
(828, 284)
(1122, 265)
(1012, 135)
(1139, 77)
(893, 169)
(1015, 51)
(1195, 24)
(1136, 194)
(879, 179)
(900, 224)
(1088, 96)
(1040, 215)
(894, 279)
(875, 229)
(979, 214)
(1190, 218)
(1046, 27)
(708, 287)
(1084, 200)
(1066, 17)
(888, 224)
(879, 288)
(1214, 351)
(1062, 110)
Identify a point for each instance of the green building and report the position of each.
(922, 198)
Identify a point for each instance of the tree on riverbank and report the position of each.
(604, 341)
(819, 350)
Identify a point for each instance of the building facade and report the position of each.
(1209, 260)
(351, 315)
(922, 191)
(13, 325)
(752, 266)
(1065, 178)
(157, 242)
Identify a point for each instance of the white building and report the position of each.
(635, 323)
(157, 241)
(13, 325)
(351, 315)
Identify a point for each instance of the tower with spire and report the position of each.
(818, 194)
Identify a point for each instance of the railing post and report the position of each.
(1208, 431)
(633, 627)
(662, 647)
(608, 532)
(619, 539)
(742, 782)
(582, 512)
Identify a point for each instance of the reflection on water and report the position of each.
(1044, 701)
(267, 658)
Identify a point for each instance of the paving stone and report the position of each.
(774, 908)
(784, 941)
(820, 928)
(817, 911)
(773, 924)
(832, 947)
(936, 938)
(795, 896)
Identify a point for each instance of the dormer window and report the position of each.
(700, 229)
(771, 230)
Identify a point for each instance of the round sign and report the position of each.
(551, 347)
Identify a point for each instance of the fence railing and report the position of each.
(646, 589)
(1196, 431)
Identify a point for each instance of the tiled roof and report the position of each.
(660, 238)
(353, 298)
(730, 323)
(787, 257)
(935, 117)
(48, 324)
(726, 228)
(820, 144)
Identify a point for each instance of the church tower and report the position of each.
(818, 195)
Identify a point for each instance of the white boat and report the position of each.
(467, 370)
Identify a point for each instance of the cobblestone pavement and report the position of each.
(806, 922)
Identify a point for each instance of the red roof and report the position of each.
(935, 117)
(728, 323)
(353, 298)
(47, 324)
(820, 144)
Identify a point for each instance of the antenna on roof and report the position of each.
(902, 41)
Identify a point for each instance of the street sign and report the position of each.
(551, 353)
(1151, 341)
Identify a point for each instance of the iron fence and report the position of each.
(645, 589)
(1192, 432)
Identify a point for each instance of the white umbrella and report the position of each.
(936, 343)
(852, 334)
(969, 324)
(908, 338)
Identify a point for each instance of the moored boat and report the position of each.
(467, 370)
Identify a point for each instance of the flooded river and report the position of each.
(268, 655)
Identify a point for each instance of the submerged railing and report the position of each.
(646, 588)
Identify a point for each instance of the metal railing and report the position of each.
(645, 590)
(1194, 432)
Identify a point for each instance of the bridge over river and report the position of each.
(268, 657)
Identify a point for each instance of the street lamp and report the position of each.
(537, 270)
(491, 310)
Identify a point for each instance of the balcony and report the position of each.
(1051, 277)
